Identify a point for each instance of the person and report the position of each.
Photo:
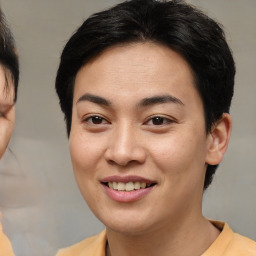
(9, 77)
(145, 88)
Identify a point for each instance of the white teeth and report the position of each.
(120, 186)
(110, 184)
(114, 185)
(137, 185)
(143, 185)
(129, 186)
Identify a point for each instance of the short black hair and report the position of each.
(8, 54)
(196, 37)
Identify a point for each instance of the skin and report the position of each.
(7, 109)
(163, 141)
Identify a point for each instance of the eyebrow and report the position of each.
(160, 100)
(95, 99)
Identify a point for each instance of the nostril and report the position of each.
(124, 152)
(123, 163)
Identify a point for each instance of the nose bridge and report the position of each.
(125, 145)
(125, 138)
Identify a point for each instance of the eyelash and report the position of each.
(163, 120)
(100, 118)
(159, 120)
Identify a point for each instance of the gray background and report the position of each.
(42, 207)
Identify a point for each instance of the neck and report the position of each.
(190, 238)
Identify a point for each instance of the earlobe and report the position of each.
(219, 139)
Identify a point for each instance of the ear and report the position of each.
(219, 139)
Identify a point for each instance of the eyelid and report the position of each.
(87, 117)
(166, 118)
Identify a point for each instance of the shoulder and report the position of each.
(242, 245)
(5, 244)
(94, 245)
(230, 243)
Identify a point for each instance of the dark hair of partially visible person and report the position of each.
(175, 24)
(8, 55)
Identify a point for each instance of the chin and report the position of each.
(128, 229)
(127, 225)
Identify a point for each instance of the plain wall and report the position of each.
(42, 207)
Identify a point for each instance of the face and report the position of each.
(7, 112)
(138, 142)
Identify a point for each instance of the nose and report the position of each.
(125, 147)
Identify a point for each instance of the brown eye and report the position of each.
(158, 120)
(97, 120)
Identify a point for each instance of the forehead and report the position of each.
(135, 69)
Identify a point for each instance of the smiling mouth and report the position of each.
(128, 186)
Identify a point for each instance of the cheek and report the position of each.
(179, 153)
(181, 161)
(169, 150)
(83, 156)
(86, 153)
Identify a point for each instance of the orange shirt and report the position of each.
(92, 246)
(227, 243)
(5, 245)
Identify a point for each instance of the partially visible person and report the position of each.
(9, 77)
(146, 88)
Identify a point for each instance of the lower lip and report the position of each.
(127, 196)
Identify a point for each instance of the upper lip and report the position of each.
(126, 179)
